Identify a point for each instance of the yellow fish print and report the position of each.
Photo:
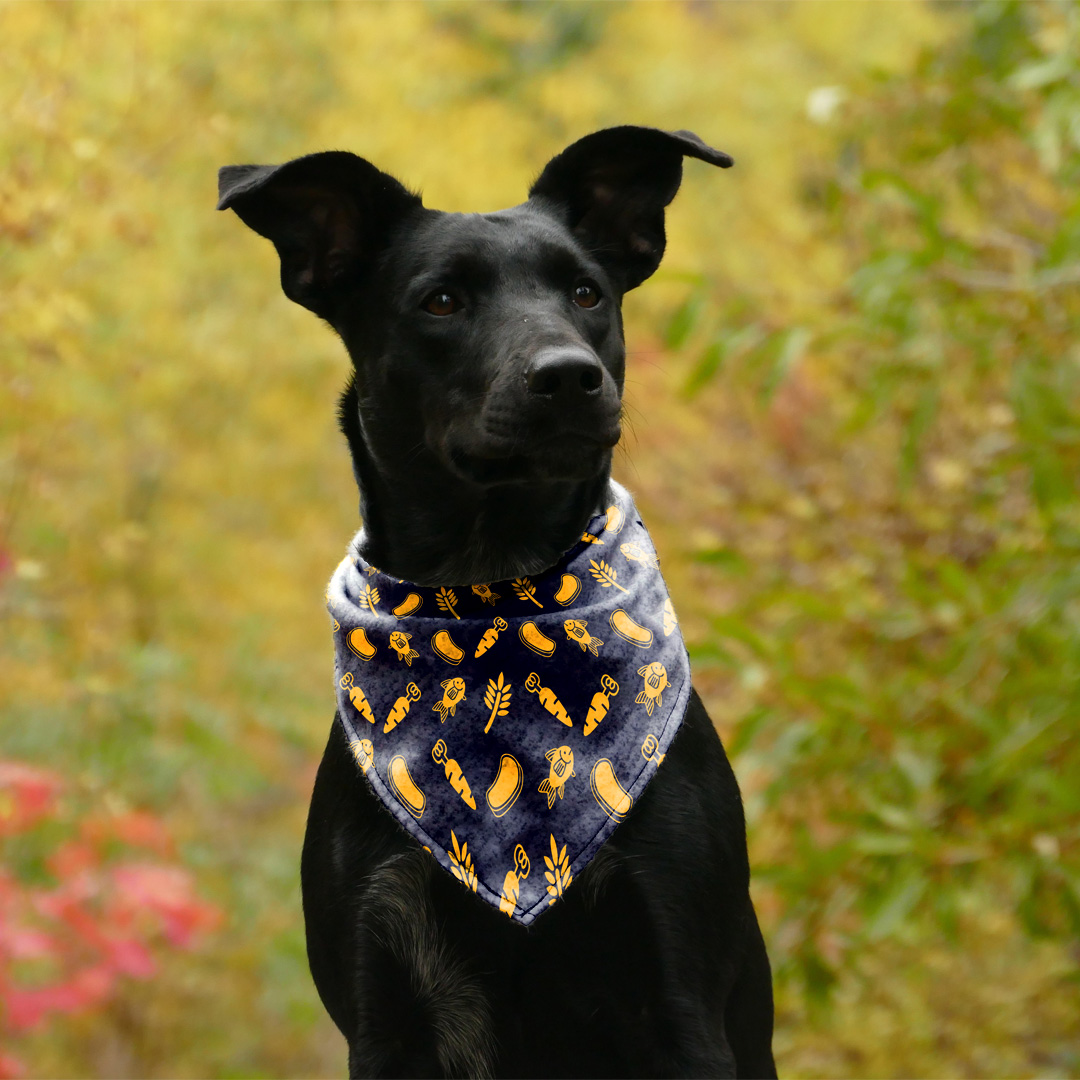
(491, 635)
(601, 702)
(453, 696)
(399, 642)
(575, 631)
(357, 697)
(656, 682)
(486, 594)
(562, 769)
(548, 699)
(636, 553)
(511, 889)
(364, 753)
(453, 773)
(401, 707)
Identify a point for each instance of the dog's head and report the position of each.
(486, 347)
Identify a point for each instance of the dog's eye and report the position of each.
(441, 303)
(586, 295)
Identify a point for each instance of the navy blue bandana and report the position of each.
(510, 727)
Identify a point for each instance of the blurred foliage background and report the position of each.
(854, 400)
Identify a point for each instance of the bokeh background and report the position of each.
(854, 430)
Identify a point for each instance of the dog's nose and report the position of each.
(564, 375)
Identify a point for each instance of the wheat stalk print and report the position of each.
(526, 590)
(369, 597)
(462, 864)
(497, 699)
(558, 871)
(605, 574)
(446, 599)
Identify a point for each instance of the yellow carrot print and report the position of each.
(511, 889)
(440, 755)
(491, 635)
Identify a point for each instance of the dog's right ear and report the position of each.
(611, 187)
(327, 214)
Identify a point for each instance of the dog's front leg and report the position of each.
(406, 1002)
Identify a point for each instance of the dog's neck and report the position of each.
(434, 529)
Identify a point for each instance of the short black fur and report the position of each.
(484, 404)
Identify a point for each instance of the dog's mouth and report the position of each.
(566, 456)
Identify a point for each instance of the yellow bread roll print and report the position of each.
(532, 636)
(409, 606)
(444, 646)
(615, 520)
(504, 791)
(607, 790)
(629, 630)
(358, 643)
(404, 787)
(569, 587)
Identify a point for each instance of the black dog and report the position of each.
(488, 371)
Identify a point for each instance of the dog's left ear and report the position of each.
(327, 214)
(610, 189)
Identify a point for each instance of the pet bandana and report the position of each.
(510, 727)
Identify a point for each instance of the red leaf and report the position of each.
(26, 795)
